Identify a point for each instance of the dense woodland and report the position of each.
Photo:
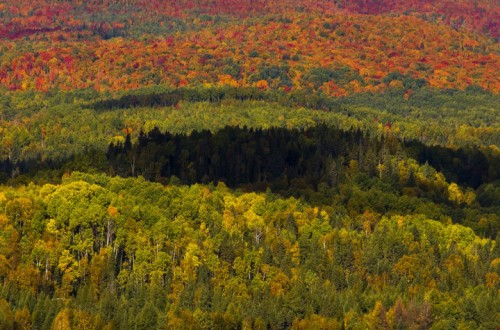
(60, 125)
(102, 252)
(240, 156)
(294, 45)
(249, 164)
(319, 228)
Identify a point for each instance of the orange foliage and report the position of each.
(63, 50)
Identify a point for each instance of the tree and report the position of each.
(6, 316)
(62, 320)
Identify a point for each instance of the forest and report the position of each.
(249, 164)
(303, 226)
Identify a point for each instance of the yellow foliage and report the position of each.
(455, 194)
(396, 84)
(62, 320)
(492, 279)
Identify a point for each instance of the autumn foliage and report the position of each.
(116, 45)
(249, 164)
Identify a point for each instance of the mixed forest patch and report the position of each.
(249, 164)
(204, 256)
(115, 46)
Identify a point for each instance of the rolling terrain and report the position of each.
(249, 164)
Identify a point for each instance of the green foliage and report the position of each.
(276, 76)
(62, 125)
(206, 256)
(408, 81)
(341, 76)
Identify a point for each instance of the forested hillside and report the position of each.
(249, 164)
(101, 252)
(286, 47)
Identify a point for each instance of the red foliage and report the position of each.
(70, 50)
